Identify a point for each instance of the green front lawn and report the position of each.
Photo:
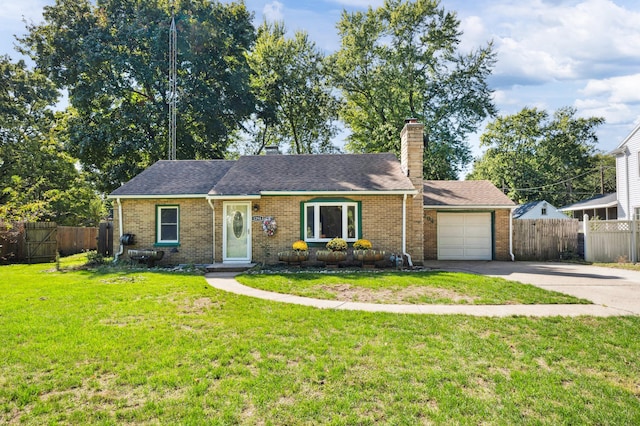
(433, 287)
(140, 347)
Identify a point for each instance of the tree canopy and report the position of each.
(112, 58)
(297, 106)
(402, 60)
(38, 179)
(535, 156)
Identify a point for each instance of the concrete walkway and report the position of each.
(614, 292)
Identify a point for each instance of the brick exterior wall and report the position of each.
(139, 218)
(500, 235)
(381, 224)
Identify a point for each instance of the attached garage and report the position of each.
(466, 220)
(464, 236)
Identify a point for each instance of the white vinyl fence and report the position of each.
(611, 240)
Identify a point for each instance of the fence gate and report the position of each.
(40, 242)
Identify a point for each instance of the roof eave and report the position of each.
(587, 207)
(470, 206)
(152, 196)
(311, 193)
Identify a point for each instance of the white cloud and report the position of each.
(615, 89)
(547, 41)
(617, 99)
(474, 33)
(273, 11)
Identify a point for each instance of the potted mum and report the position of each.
(337, 252)
(298, 254)
(363, 252)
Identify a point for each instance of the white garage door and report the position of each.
(464, 236)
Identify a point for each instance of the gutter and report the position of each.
(213, 229)
(513, 257)
(120, 228)
(404, 231)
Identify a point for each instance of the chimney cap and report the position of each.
(411, 120)
(271, 150)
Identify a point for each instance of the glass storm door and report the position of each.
(237, 232)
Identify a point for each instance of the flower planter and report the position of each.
(293, 256)
(331, 257)
(368, 257)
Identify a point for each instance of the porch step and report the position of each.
(226, 267)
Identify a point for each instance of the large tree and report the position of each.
(112, 57)
(535, 156)
(403, 60)
(38, 179)
(298, 107)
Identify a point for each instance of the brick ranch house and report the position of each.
(212, 211)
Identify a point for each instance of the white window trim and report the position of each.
(159, 223)
(345, 222)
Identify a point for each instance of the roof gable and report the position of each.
(176, 178)
(533, 210)
(621, 148)
(465, 193)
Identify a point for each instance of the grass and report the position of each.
(433, 287)
(144, 347)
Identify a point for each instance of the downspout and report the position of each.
(404, 223)
(213, 230)
(120, 230)
(513, 257)
(404, 231)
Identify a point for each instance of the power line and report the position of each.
(598, 169)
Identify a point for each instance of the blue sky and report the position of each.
(551, 53)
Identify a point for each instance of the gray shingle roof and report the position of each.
(177, 177)
(599, 201)
(320, 172)
(464, 193)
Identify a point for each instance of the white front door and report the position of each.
(236, 232)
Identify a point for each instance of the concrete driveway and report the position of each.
(607, 287)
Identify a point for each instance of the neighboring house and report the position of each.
(209, 211)
(628, 176)
(604, 207)
(538, 210)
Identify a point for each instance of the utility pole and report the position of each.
(173, 87)
(602, 179)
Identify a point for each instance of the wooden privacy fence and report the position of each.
(41, 241)
(74, 239)
(545, 239)
(611, 240)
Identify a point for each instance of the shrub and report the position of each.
(362, 244)
(300, 246)
(337, 244)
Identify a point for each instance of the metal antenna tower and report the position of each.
(173, 87)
